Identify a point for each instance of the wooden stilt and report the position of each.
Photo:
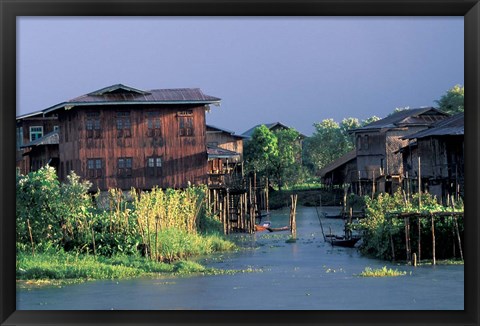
(433, 240)
(419, 239)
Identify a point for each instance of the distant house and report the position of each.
(226, 139)
(225, 156)
(441, 152)
(31, 129)
(274, 126)
(341, 171)
(122, 137)
(378, 144)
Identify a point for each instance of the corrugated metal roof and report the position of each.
(48, 139)
(217, 152)
(420, 116)
(338, 162)
(29, 115)
(453, 125)
(120, 94)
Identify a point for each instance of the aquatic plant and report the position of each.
(381, 272)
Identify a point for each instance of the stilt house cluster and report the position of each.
(411, 148)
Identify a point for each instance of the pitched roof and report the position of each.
(249, 132)
(217, 152)
(453, 125)
(48, 139)
(213, 129)
(120, 95)
(410, 117)
(344, 159)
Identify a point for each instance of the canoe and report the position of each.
(283, 228)
(349, 243)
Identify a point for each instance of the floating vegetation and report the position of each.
(381, 272)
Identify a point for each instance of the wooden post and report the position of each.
(458, 231)
(31, 237)
(93, 242)
(433, 239)
(391, 240)
(415, 259)
(266, 187)
(408, 185)
(407, 237)
(419, 239)
(373, 183)
(419, 185)
(293, 212)
(359, 184)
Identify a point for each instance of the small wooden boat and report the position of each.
(343, 242)
(262, 227)
(283, 228)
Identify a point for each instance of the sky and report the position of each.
(293, 70)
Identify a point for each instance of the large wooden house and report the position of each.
(121, 137)
(378, 143)
(440, 152)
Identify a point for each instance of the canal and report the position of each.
(308, 274)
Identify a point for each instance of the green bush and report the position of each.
(381, 229)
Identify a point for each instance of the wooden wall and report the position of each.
(23, 162)
(184, 158)
(226, 141)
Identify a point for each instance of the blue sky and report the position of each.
(265, 69)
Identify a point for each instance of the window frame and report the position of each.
(154, 166)
(93, 169)
(31, 132)
(124, 167)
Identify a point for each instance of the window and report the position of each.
(185, 122)
(56, 128)
(92, 125)
(124, 167)
(94, 168)
(36, 132)
(365, 142)
(123, 124)
(154, 166)
(153, 124)
(186, 126)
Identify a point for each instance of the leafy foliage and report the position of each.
(163, 225)
(381, 228)
(453, 100)
(275, 155)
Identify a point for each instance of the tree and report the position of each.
(286, 166)
(452, 101)
(260, 150)
(325, 145)
(369, 120)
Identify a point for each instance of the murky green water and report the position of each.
(309, 274)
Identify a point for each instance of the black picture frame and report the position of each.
(11, 9)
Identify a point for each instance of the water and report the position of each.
(309, 274)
